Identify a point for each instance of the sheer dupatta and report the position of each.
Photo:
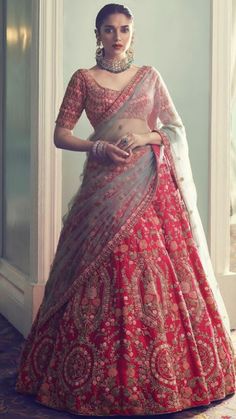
(112, 197)
(110, 200)
(166, 119)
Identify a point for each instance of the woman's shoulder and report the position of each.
(77, 82)
(78, 74)
(82, 75)
(154, 74)
(78, 79)
(157, 76)
(154, 70)
(148, 68)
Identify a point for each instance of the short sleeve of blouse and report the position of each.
(73, 102)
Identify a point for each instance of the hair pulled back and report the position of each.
(110, 9)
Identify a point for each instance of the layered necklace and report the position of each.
(114, 66)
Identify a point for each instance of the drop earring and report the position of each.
(99, 50)
(130, 51)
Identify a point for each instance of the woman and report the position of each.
(129, 324)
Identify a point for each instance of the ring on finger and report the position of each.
(124, 141)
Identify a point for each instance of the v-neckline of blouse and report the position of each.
(132, 80)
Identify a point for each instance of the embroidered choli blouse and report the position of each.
(84, 93)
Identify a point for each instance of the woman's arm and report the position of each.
(71, 108)
(64, 138)
(152, 137)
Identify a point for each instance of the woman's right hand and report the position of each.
(117, 155)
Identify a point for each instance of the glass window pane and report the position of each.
(16, 136)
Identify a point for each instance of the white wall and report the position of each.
(173, 36)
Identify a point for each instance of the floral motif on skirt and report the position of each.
(143, 334)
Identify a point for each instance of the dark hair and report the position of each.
(110, 9)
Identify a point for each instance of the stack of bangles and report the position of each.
(99, 149)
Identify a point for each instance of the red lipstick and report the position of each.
(118, 46)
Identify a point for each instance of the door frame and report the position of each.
(220, 153)
(21, 295)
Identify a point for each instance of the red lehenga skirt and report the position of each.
(142, 335)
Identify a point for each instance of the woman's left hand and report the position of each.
(130, 141)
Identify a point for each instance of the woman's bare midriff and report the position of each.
(123, 126)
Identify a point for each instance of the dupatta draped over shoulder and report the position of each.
(112, 197)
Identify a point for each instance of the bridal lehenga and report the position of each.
(132, 321)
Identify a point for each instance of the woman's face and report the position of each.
(116, 35)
